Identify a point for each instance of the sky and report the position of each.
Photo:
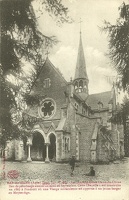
(95, 43)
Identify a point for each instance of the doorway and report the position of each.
(38, 150)
(52, 147)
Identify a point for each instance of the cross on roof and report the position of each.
(80, 24)
(47, 53)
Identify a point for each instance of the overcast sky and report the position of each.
(95, 43)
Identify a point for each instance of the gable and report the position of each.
(48, 71)
(51, 86)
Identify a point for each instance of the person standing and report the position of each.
(72, 164)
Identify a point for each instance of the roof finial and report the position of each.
(47, 53)
(80, 25)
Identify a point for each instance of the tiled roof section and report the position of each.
(94, 99)
(76, 95)
(93, 146)
(63, 125)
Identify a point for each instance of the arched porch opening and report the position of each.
(52, 147)
(38, 149)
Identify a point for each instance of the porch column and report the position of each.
(29, 143)
(29, 158)
(47, 158)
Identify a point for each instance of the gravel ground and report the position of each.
(39, 171)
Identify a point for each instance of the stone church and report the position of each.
(70, 121)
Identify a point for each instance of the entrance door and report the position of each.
(52, 148)
(38, 150)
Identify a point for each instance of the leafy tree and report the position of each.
(125, 118)
(21, 40)
(121, 116)
(118, 36)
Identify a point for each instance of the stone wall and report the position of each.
(59, 146)
(102, 151)
(71, 123)
(86, 126)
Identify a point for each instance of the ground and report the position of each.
(38, 171)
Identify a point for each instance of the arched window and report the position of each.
(76, 85)
(47, 83)
(76, 106)
(84, 84)
(80, 86)
(100, 105)
(67, 144)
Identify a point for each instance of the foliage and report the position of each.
(21, 40)
(118, 35)
(122, 112)
(121, 116)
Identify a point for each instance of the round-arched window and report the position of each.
(80, 84)
(47, 108)
(76, 85)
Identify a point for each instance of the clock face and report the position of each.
(47, 108)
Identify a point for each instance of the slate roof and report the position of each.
(93, 146)
(47, 62)
(81, 65)
(63, 125)
(94, 99)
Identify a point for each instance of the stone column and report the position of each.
(29, 143)
(47, 158)
(29, 158)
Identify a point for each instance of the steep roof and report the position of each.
(94, 99)
(47, 62)
(81, 65)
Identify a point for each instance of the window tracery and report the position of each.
(47, 108)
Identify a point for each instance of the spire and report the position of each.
(81, 79)
(80, 72)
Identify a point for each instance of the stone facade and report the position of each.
(69, 120)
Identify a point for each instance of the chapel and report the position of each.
(70, 121)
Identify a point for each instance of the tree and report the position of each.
(21, 40)
(118, 36)
(121, 116)
(125, 118)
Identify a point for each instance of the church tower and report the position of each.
(81, 79)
